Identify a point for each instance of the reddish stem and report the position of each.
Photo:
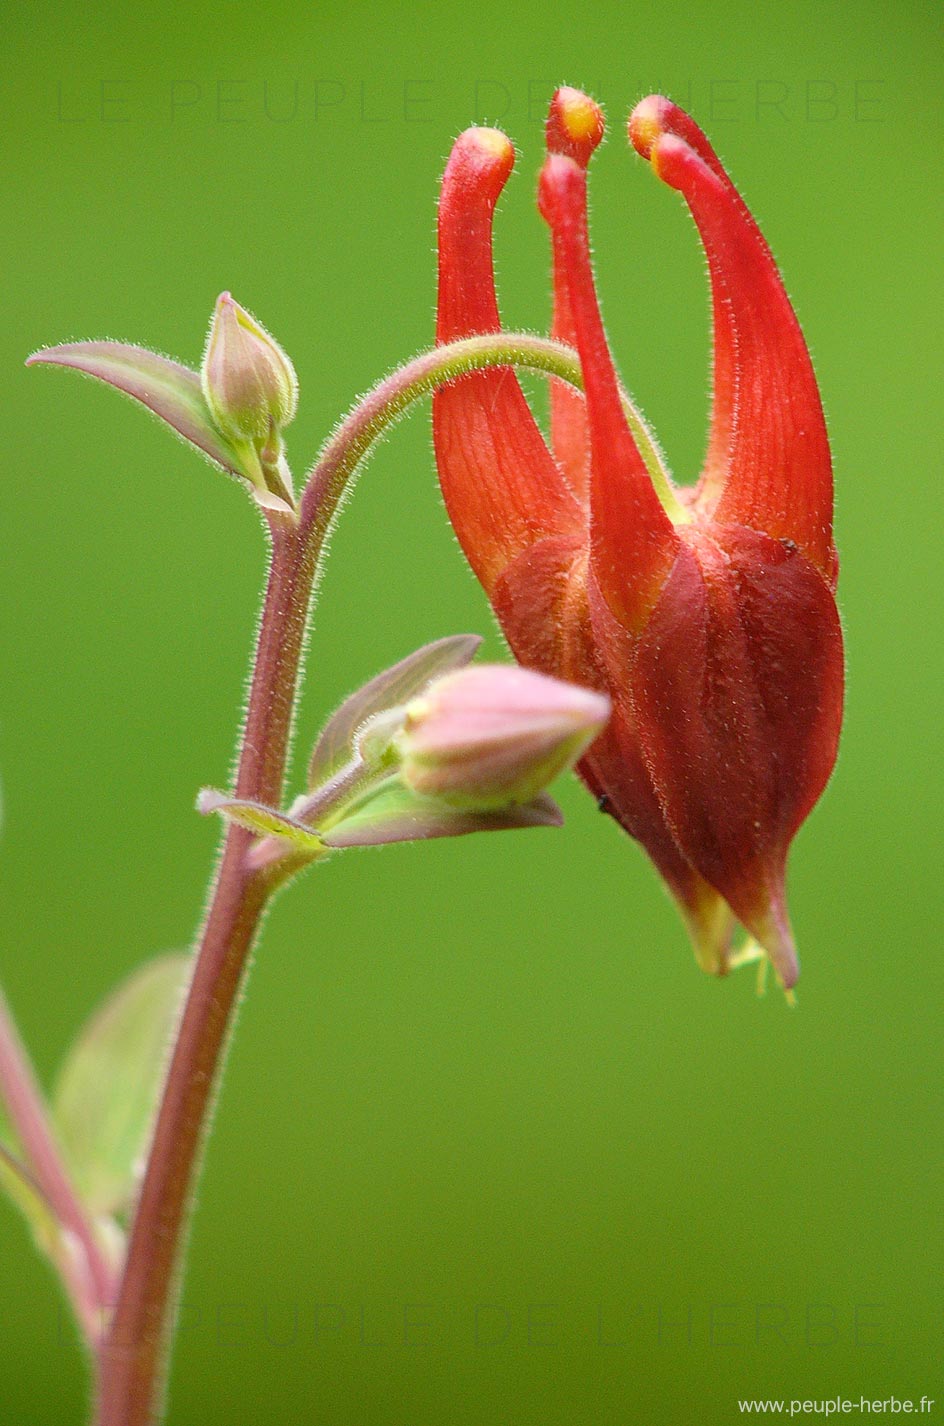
(134, 1354)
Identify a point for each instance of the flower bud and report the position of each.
(248, 381)
(496, 734)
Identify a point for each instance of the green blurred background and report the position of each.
(490, 1148)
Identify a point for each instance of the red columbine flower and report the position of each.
(707, 614)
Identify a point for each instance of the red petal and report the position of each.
(501, 485)
(541, 601)
(633, 541)
(792, 629)
(616, 765)
(768, 462)
(737, 691)
(574, 127)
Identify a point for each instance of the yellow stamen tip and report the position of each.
(646, 124)
(493, 143)
(579, 116)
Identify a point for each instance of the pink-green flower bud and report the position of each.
(248, 381)
(495, 734)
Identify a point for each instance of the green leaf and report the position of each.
(172, 391)
(406, 679)
(106, 1095)
(395, 814)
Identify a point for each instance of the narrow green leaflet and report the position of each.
(106, 1095)
(167, 388)
(395, 685)
(265, 821)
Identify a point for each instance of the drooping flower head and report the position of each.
(707, 615)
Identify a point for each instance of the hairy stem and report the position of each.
(134, 1355)
(352, 440)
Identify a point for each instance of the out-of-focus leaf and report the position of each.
(265, 821)
(406, 679)
(7, 1136)
(107, 1091)
(167, 388)
(397, 815)
(39, 1218)
(18, 1184)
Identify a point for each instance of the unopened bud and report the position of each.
(496, 734)
(248, 381)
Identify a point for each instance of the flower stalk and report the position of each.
(134, 1355)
